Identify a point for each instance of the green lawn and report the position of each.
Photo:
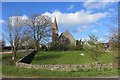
(54, 57)
(15, 71)
(70, 57)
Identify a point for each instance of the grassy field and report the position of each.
(10, 70)
(33, 73)
(70, 57)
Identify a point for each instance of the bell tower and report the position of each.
(55, 31)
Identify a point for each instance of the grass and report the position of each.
(41, 73)
(70, 57)
(10, 70)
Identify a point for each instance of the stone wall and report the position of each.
(68, 67)
(25, 63)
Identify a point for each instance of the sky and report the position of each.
(80, 18)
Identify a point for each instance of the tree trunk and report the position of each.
(37, 46)
(14, 51)
(13, 54)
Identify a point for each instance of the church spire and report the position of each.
(55, 24)
(55, 31)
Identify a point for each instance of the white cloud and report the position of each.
(77, 18)
(24, 17)
(70, 7)
(94, 31)
(101, 39)
(81, 28)
(101, 4)
(95, 5)
(2, 21)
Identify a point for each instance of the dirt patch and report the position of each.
(9, 52)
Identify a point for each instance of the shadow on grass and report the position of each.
(28, 59)
(47, 57)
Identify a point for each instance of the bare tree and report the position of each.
(40, 26)
(16, 30)
(13, 32)
(114, 33)
(114, 38)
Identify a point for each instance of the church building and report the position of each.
(65, 37)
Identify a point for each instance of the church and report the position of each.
(65, 37)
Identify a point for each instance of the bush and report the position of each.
(86, 47)
(59, 46)
(53, 46)
(63, 46)
(79, 47)
(95, 50)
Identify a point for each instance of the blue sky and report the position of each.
(80, 18)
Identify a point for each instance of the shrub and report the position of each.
(53, 46)
(79, 47)
(63, 46)
(59, 46)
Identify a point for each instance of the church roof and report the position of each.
(68, 35)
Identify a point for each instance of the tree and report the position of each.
(95, 47)
(13, 32)
(114, 30)
(16, 29)
(79, 44)
(93, 39)
(40, 26)
(114, 38)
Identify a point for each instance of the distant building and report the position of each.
(65, 37)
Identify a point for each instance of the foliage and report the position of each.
(93, 39)
(79, 45)
(59, 46)
(95, 47)
(114, 39)
(63, 46)
(54, 46)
